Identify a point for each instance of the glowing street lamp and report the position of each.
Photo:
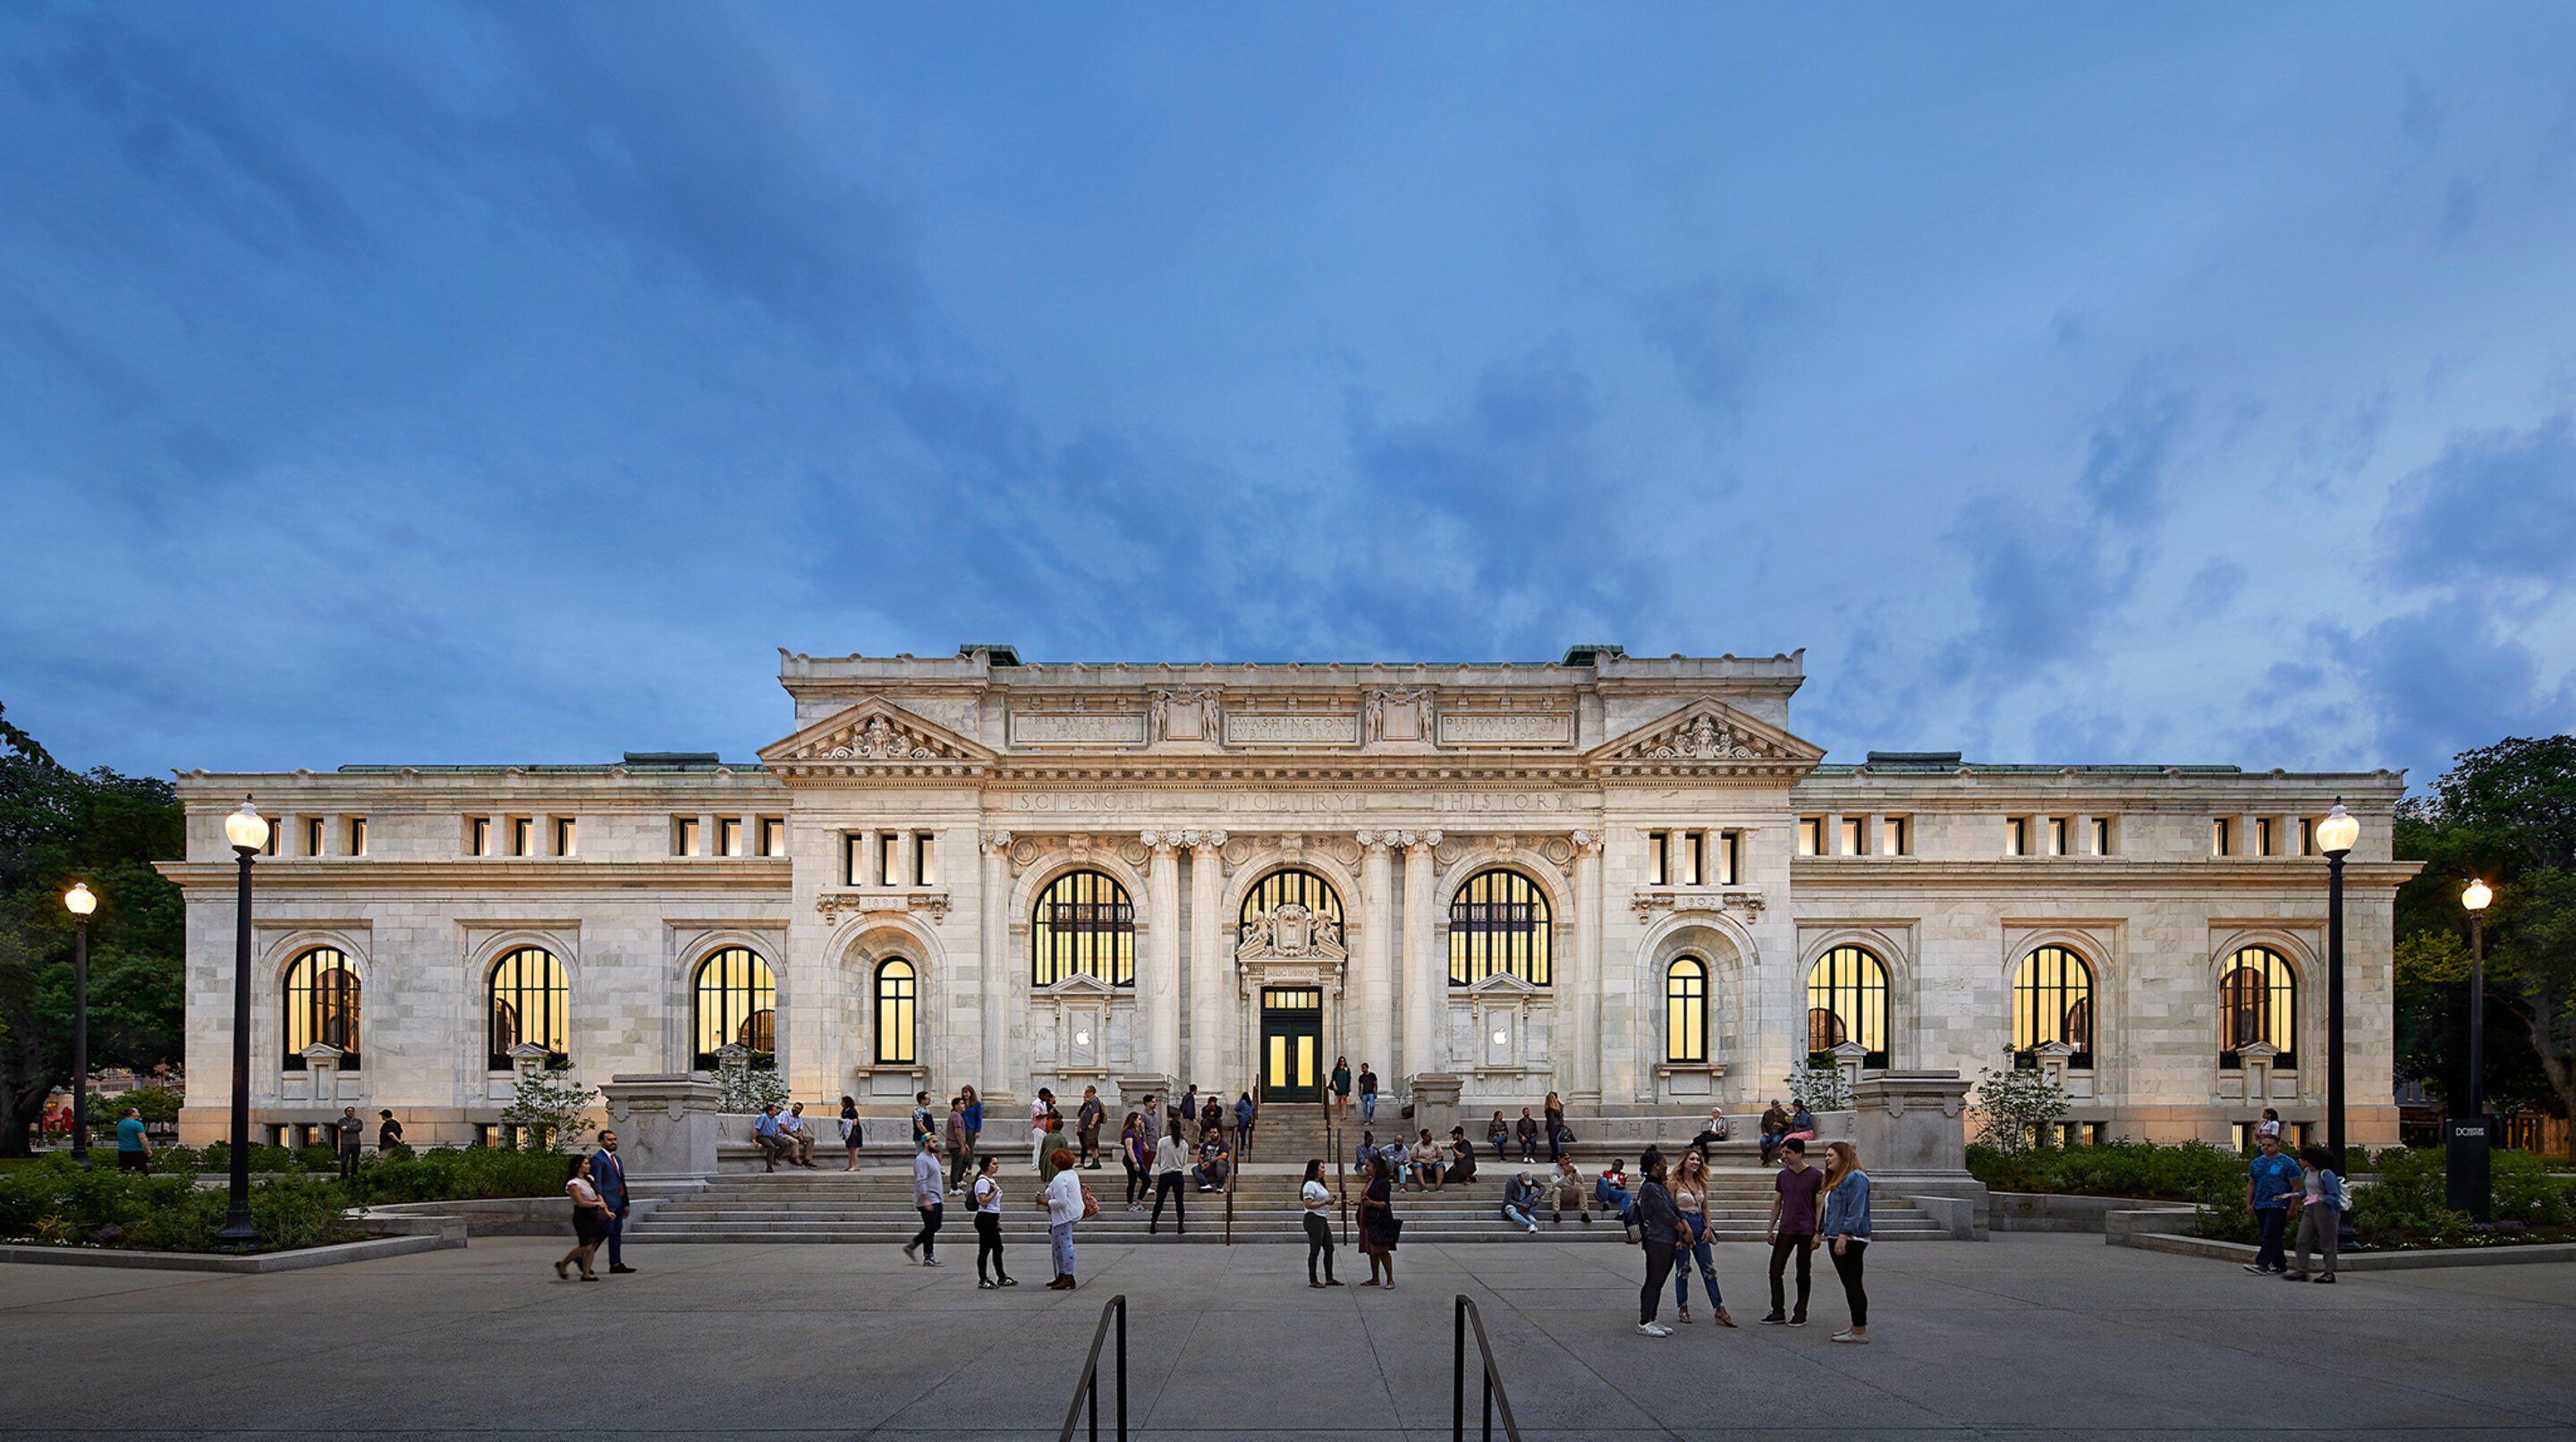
(247, 830)
(80, 903)
(2336, 836)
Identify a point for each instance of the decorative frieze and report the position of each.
(834, 904)
(1648, 901)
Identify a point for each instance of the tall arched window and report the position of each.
(2258, 1000)
(528, 1001)
(1304, 888)
(736, 1003)
(1686, 1010)
(1084, 925)
(321, 1006)
(1498, 921)
(895, 1002)
(2052, 1000)
(1847, 1001)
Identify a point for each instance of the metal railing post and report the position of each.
(1495, 1399)
(1086, 1392)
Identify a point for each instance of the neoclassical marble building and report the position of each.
(1621, 878)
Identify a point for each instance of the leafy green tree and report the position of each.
(58, 826)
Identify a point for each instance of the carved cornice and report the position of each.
(1747, 904)
(833, 904)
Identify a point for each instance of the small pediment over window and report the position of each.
(1079, 985)
(1500, 984)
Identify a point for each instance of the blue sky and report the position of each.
(2075, 383)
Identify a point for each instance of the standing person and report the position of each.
(927, 1200)
(1136, 1154)
(1378, 1226)
(1797, 1199)
(1171, 1160)
(2320, 1214)
(1244, 1112)
(1846, 1231)
(589, 1221)
(1775, 1127)
(800, 1135)
(852, 1135)
(2271, 1179)
(1690, 1199)
(1715, 1131)
(134, 1145)
(1368, 1094)
(1660, 1224)
(353, 1137)
(961, 1150)
(608, 1178)
(1499, 1132)
(1313, 1198)
(1555, 1128)
(389, 1134)
(1087, 1120)
(1043, 1120)
(2270, 1126)
(1566, 1190)
(974, 1118)
(1067, 1201)
(1341, 1086)
(1189, 1106)
(1527, 1130)
(1520, 1194)
(988, 1225)
(924, 1123)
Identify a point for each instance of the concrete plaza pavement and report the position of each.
(2023, 1336)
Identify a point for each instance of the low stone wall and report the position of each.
(2059, 1212)
(2243, 1252)
(484, 1217)
(295, 1261)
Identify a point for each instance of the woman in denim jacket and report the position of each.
(1846, 1230)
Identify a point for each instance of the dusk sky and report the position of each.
(507, 383)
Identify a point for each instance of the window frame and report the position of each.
(1528, 949)
(758, 984)
(1102, 948)
(896, 1005)
(1686, 1010)
(2278, 987)
(551, 987)
(1859, 973)
(2038, 995)
(308, 1012)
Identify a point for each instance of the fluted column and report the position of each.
(993, 945)
(1425, 977)
(1581, 980)
(1207, 966)
(1162, 978)
(1372, 1001)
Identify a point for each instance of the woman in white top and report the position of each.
(988, 1224)
(1171, 1160)
(1312, 1200)
(1042, 1120)
(589, 1220)
(1066, 1203)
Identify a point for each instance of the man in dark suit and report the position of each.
(608, 1174)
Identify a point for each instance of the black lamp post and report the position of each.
(247, 832)
(2468, 1140)
(2335, 837)
(80, 903)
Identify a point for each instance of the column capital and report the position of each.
(1587, 844)
(995, 842)
(1417, 841)
(1376, 842)
(1161, 843)
(1202, 840)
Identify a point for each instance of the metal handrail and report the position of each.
(1466, 1316)
(1089, 1386)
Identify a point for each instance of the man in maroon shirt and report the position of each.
(1798, 1189)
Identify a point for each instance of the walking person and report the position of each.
(1044, 1119)
(353, 1137)
(389, 1135)
(1244, 1112)
(961, 1149)
(2320, 1215)
(1378, 1226)
(1660, 1227)
(1368, 1094)
(1690, 1199)
(589, 1221)
(974, 1118)
(2271, 1179)
(988, 1225)
(133, 1142)
(1341, 1086)
(1313, 1200)
(927, 1200)
(608, 1178)
(1797, 1202)
(1136, 1154)
(1556, 1133)
(1067, 1201)
(852, 1138)
(1188, 1106)
(1846, 1231)
(1171, 1162)
(1087, 1120)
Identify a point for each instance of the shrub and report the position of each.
(447, 1174)
(2018, 1108)
(57, 1202)
(178, 1161)
(2111, 1169)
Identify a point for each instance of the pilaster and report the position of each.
(1579, 981)
(1208, 989)
(1371, 998)
(1160, 981)
(1424, 976)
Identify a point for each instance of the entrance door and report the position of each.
(1292, 1037)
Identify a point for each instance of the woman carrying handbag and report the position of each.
(1378, 1226)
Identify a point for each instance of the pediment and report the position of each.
(1708, 735)
(1500, 983)
(874, 734)
(1079, 986)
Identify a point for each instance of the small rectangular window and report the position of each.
(567, 836)
(478, 836)
(1730, 859)
(1811, 836)
(357, 836)
(523, 836)
(1891, 836)
(921, 871)
(1694, 857)
(684, 836)
(2218, 837)
(2101, 835)
(2262, 835)
(1851, 836)
(313, 829)
(2307, 837)
(729, 836)
(854, 858)
(1658, 846)
(275, 843)
(2016, 836)
(773, 836)
(2057, 836)
(889, 867)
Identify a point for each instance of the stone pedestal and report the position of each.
(1911, 1129)
(1133, 1088)
(1435, 1104)
(666, 1124)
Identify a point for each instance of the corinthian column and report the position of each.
(1369, 996)
(993, 946)
(1426, 977)
(1207, 966)
(1579, 981)
(1161, 981)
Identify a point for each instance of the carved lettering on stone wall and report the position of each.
(1285, 729)
(1063, 728)
(1507, 728)
(1283, 803)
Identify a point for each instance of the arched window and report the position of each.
(2258, 1000)
(1847, 1001)
(1280, 888)
(1085, 926)
(2052, 1000)
(528, 1002)
(1498, 921)
(895, 1001)
(736, 1003)
(321, 1006)
(1686, 1010)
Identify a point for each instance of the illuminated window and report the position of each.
(357, 836)
(567, 836)
(1811, 836)
(1686, 1010)
(1851, 836)
(2258, 1000)
(1498, 921)
(1659, 845)
(1084, 925)
(523, 836)
(528, 1002)
(1847, 1001)
(1730, 857)
(1891, 836)
(2016, 836)
(684, 836)
(2057, 837)
(729, 836)
(736, 1003)
(921, 868)
(321, 1006)
(2053, 1001)
(773, 836)
(478, 836)
(2218, 837)
(895, 1003)
(1304, 888)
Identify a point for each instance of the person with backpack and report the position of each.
(988, 1225)
(1244, 1112)
(2321, 1209)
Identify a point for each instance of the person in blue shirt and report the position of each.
(133, 1148)
(2270, 1181)
(773, 1142)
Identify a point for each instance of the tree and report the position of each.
(2018, 1108)
(552, 1109)
(58, 826)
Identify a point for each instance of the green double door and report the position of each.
(1292, 1044)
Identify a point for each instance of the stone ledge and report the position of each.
(295, 1261)
(2242, 1252)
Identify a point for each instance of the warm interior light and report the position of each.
(82, 903)
(246, 829)
(2477, 896)
(2337, 833)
